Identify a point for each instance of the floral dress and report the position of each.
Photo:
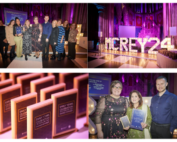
(27, 47)
(108, 113)
(137, 134)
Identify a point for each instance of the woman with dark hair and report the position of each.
(108, 112)
(67, 29)
(17, 32)
(72, 41)
(136, 102)
(36, 37)
(10, 37)
(61, 40)
(27, 47)
(3, 40)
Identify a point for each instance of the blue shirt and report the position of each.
(164, 109)
(47, 29)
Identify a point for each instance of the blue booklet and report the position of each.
(18, 30)
(138, 116)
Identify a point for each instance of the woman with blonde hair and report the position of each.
(72, 41)
(54, 38)
(10, 37)
(61, 40)
(27, 47)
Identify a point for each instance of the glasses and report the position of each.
(117, 87)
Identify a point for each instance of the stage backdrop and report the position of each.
(10, 14)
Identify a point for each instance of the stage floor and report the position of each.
(81, 134)
(119, 59)
(79, 62)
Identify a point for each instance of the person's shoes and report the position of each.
(29, 54)
(34, 56)
(53, 58)
(59, 57)
(21, 56)
(37, 57)
(26, 57)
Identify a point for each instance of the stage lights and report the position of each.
(132, 44)
(142, 43)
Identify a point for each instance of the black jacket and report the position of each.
(2, 33)
(54, 36)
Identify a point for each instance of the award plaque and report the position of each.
(47, 92)
(38, 84)
(4, 76)
(18, 30)
(67, 78)
(138, 116)
(25, 80)
(64, 112)
(14, 76)
(5, 83)
(56, 77)
(81, 82)
(6, 94)
(39, 120)
(125, 121)
(19, 114)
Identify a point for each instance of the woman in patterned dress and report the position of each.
(136, 102)
(61, 40)
(36, 37)
(72, 42)
(27, 30)
(108, 112)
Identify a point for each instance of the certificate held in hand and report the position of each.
(18, 30)
(138, 116)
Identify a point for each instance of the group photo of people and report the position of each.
(43, 33)
(160, 112)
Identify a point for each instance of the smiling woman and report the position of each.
(109, 110)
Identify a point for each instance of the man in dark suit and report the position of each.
(3, 40)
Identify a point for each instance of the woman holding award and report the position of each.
(36, 37)
(17, 31)
(27, 30)
(108, 112)
(136, 102)
(10, 37)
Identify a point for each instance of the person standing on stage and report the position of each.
(17, 32)
(27, 47)
(10, 37)
(54, 38)
(36, 37)
(67, 29)
(61, 40)
(47, 29)
(72, 41)
(164, 111)
(3, 40)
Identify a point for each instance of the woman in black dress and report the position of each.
(54, 38)
(108, 112)
(36, 37)
(67, 29)
(27, 30)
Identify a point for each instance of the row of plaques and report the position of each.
(47, 111)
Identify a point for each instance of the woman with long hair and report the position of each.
(136, 102)
(61, 40)
(36, 37)
(72, 41)
(54, 38)
(10, 37)
(27, 47)
(17, 31)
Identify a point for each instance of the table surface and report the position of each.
(81, 134)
